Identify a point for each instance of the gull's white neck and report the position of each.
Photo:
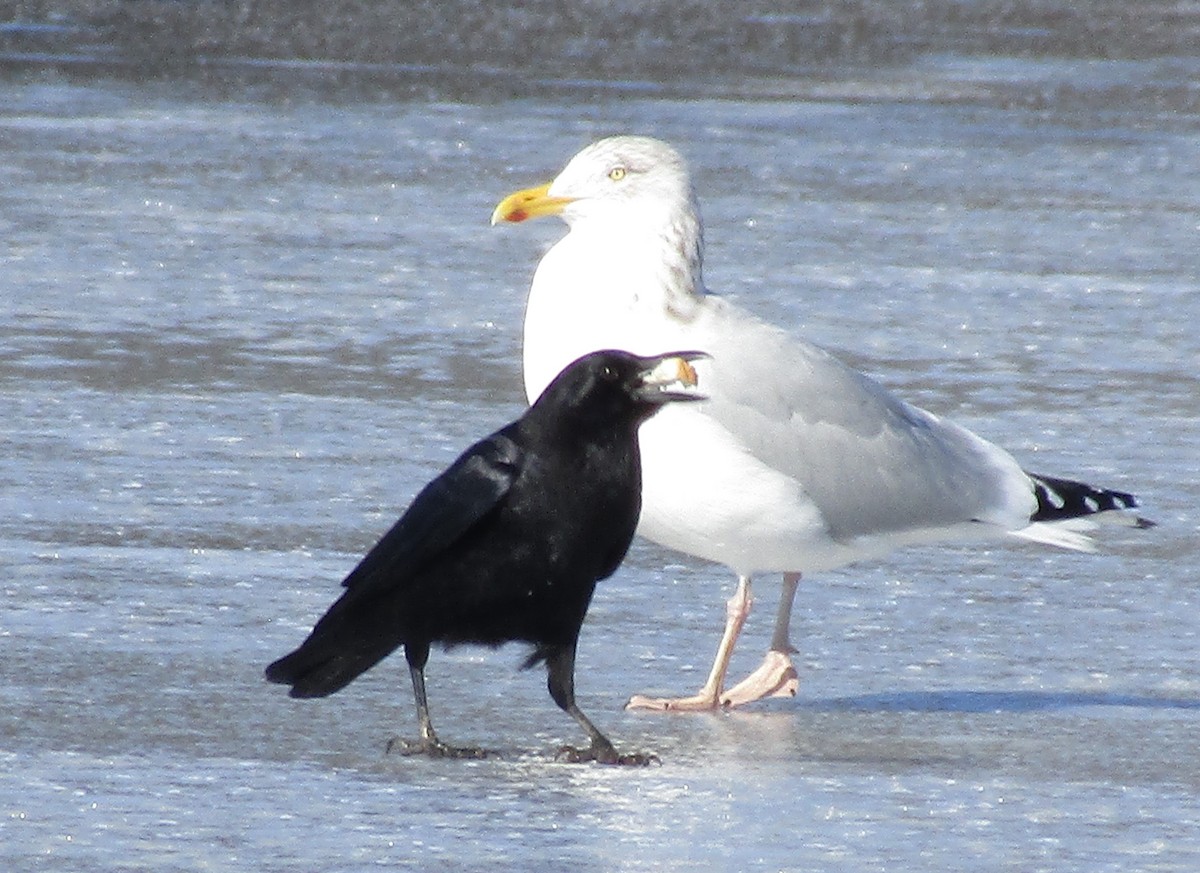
(611, 282)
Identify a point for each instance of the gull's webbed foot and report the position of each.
(775, 677)
(701, 702)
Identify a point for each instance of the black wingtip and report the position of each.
(1059, 499)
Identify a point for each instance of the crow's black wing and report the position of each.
(442, 512)
(360, 629)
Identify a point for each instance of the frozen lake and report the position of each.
(241, 324)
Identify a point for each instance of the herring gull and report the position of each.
(797, 462)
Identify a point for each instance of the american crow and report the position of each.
(797, 462)
(505, 545)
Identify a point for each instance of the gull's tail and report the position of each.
(1066, 510)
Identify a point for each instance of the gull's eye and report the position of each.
(617, 173)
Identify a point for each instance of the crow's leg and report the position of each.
(417, 654)
(561, 682)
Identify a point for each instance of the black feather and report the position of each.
(1059, 499)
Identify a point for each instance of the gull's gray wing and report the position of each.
(870, 462)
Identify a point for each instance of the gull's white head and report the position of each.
(624, 177)
(628, 179)
(629, 269)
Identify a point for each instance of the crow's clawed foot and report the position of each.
(432, 748)
(604, 753)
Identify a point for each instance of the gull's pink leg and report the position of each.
(708, 697)
(775, 677)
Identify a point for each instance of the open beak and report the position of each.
(670, 377)
(529, 203)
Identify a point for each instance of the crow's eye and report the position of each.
(608, 374)
(617, 173)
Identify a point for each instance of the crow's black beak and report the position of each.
(669, 377)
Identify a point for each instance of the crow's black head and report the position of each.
(615, 386)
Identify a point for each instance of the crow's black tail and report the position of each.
(1062, 499)
(322, 666)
